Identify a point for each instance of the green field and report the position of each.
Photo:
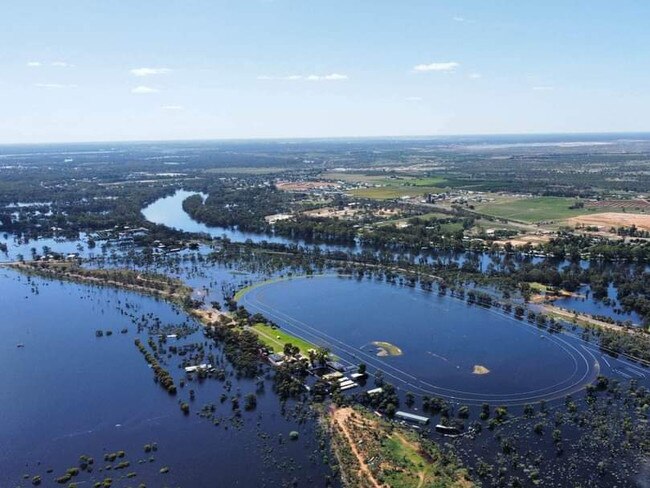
(391, 192)
(357, 177)
(392, 186)
(404, 454)
(531, 210)
(428, 181)
(275, 338)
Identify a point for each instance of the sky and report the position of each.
(109, 70)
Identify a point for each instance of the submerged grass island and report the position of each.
(387, 349)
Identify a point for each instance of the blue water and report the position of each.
(442, 339)
(67, 393)
(17, 247)
(597, 307)
(169, 211)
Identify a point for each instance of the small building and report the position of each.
(336, 365)
(198, 367)
(411, 417)
(332, 376)
(447, 430)
(276, 359)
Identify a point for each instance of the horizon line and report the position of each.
(328, 138)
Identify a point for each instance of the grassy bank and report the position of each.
(275, 338)
(154, 284)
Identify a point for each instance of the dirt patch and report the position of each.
(306, 185)
(524, 239)
(607, 220)
(341, 417)
(330, 212)
(272, 219)
(375, 453)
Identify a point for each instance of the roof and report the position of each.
(412, 416)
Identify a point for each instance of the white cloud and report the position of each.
(461, 19)
(475, 76)
(53, 85)
(327, 77)
(141, 72)
(446, 67)
(543, 88)
(57, 64)
(413, 99)
(334, 77)
(144, 90)
(172, 107)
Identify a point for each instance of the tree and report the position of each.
(322, 355)
(528, 410)
(250, 402)
(410, 399)
(557, 436)
(463, 412)
(289, 349)
(390, 410)
(485, 411)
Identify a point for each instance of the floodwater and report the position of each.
(66, 392)
(169, 211)
(442, 339)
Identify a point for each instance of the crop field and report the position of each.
(539, 209)
(427, 181)
(389, 186)
(390, 192)
(388, 180)
(634, 205)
